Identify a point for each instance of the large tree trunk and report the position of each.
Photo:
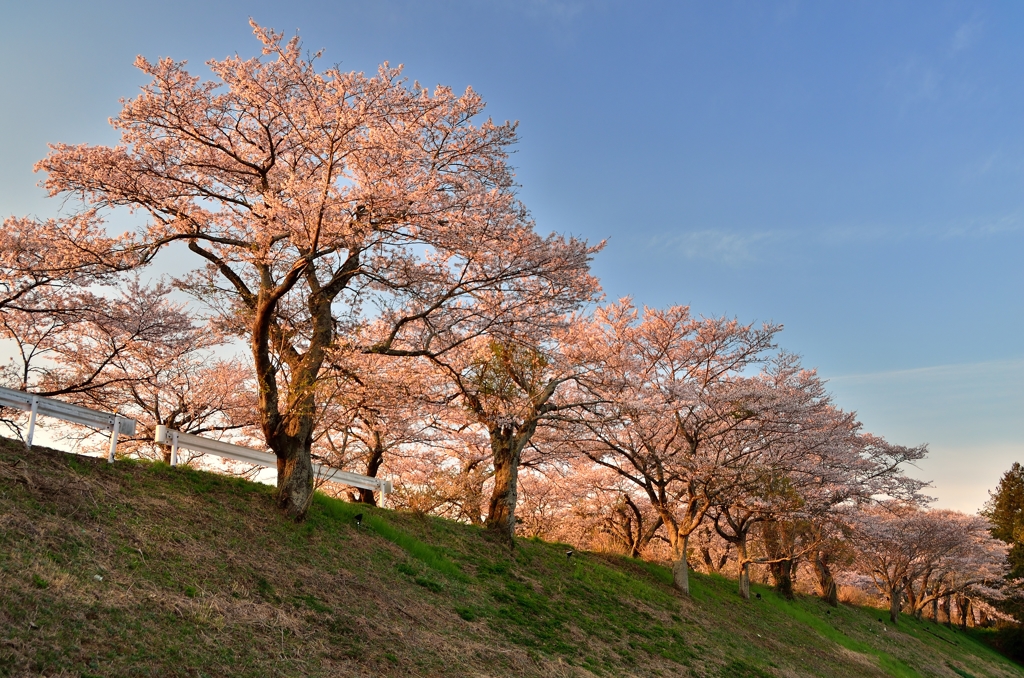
(708, 560)
(507, 443)
(777, 541)
(782, 576)
(961, 608)
(711, 563)
(289, 432)
(895, 603)
(947, 607)
(294, 476)
(291, 438)
(744, 580)
(636, 539)
(373, 463)
(501, 512)
(935, 610)
(680, 570)
(827, 588)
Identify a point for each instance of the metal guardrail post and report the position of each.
(174, 448)
(113, 438)
(32, 422)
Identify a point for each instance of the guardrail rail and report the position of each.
(177, 439)
(37, 405)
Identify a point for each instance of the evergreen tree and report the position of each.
(1005, 510)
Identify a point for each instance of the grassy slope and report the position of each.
(202, 577)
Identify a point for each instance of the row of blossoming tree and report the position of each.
(368, 291)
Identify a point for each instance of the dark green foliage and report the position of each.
(1005, 509)
(1010, 641)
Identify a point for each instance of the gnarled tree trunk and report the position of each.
(680, 570)
(289, 431)
(895, 603)
(963, 603)
(630, 529)
(501, 511)
(507, 448)
(776, 540)
(827, 588)
(294, 476)
(374, 459)
(782, 576)
(741, 552)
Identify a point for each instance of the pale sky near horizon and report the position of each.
(851, 170)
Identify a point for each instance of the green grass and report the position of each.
(200, 575)
(800, 613)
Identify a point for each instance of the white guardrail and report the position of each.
(116, 424)
(177, 439)
(76, 414)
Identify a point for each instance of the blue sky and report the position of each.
(854, 171)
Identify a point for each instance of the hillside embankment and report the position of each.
(138, 569)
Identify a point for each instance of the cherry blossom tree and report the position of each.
(779, 464)
(510, 388)
(447, 476)
(177, 380)
(136, 353)
(586, 505)
(716, 553)
(75, 348)
(49, 275)
(798, 462)
(668, 394)
(830, 552)
(373, 406)
(907, 551)
(318, 201)
(46, 265)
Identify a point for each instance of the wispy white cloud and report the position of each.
(913, 81)
(724, 247)
(968, 228)
(967, 35)
(739, 247)
(982, 227)
(929, 78)
(956, 371)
